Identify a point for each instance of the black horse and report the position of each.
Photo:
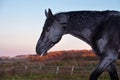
(100, 29)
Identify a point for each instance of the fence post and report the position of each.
(57, 70)
(25, 67)
(72, 69)
(40, 67)
(13, 70)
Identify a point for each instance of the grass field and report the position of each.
(65, 69)
(40, 71)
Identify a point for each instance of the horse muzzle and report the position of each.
(42, 47)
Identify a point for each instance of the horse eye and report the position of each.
(48, 29)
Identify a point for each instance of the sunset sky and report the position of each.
(21, 23)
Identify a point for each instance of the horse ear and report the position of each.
(49, 13)
(46, 14)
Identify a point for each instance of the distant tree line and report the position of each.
(65, 55)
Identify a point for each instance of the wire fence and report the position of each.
(57, 70)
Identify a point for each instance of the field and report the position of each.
(68, 67)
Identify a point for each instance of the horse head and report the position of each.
(52, 32)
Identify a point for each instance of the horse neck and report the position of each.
(84, 28)
(84, 35)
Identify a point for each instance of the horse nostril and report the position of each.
(52, 44)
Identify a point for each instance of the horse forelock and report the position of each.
(48, 23)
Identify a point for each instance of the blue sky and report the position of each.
(21, 23)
